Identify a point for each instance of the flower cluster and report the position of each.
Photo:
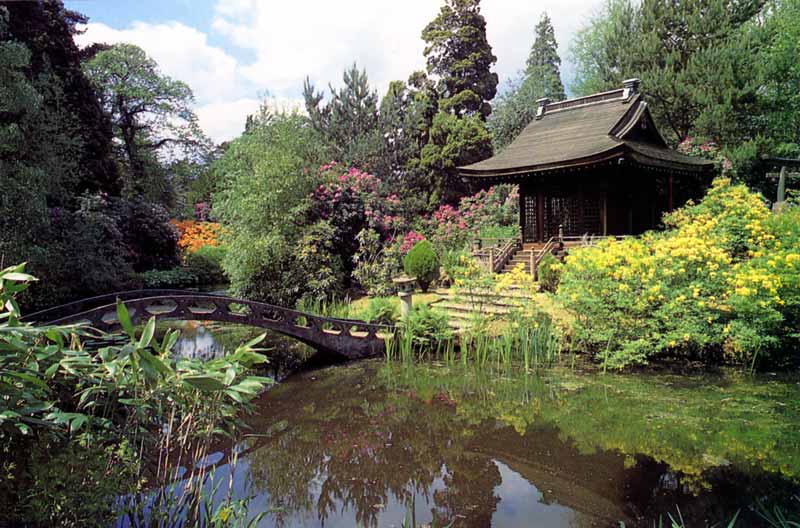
(719, 281)
(453, 227)
(194, 235)
(410, 239)
(693, 146)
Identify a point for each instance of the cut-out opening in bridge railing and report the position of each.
(240, 309)
(202, 307)
(110, 317)
(162, 307)
(358, 330)
(301, 321)
(274, 316)
(332, 328)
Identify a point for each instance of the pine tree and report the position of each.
(349, 121)
(689, 55)
(459, 55)
(544, 64)
(515, 108)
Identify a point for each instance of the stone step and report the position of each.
(452, 306)
(514, 292)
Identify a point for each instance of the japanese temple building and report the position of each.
(594, 165)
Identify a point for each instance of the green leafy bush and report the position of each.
(549, 273)
(381, 310)
(427, 327)
(73, 400)
(423, 263)
(375, 264)
(721, 284)
(166, 279)
(206, 264)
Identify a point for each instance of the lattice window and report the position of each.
(530, 228)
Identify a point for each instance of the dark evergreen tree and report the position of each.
(676, 49)
(544, 64)
(349, 121)
(460, 57)
(516, 107)
(69, 100)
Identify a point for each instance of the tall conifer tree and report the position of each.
(460, 57)
(544, 64)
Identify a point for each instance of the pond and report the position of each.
(372, 444)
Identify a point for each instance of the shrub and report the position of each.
(427, 327)
(549, 273)
(195, 234)
(423, 263)
(166, 279)
(381, 310)
(723, 282)
(151, 239)
(375, 264)
(206, 264)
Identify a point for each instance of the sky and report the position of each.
(235, 53)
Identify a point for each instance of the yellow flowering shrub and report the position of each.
(720, 282)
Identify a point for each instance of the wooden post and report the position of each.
(491, 260)
(670, 203)
(533, 264)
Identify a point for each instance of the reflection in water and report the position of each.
(374, 445)
(210, 340)
(367, 444)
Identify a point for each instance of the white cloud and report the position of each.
(285, 41)
(293, 39)
(225, 120)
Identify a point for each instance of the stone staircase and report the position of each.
(462, 309)
(523, 255)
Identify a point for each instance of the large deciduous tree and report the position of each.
(151, 114)
(460, 58)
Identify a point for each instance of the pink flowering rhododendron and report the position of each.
(410, 239)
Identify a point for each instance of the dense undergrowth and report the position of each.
(93, 428)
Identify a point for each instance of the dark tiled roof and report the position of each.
(585, 131)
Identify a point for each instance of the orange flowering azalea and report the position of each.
(194, 235)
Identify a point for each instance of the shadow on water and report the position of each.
(371, 444)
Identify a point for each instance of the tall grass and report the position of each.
(519, 340)
(333, 308)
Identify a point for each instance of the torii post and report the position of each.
(784, 164)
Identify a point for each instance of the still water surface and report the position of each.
(368, 444)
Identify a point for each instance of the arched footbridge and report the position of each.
(350, 338)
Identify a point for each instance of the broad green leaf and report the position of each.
(125, 319)
(204, 383)
(147, 334)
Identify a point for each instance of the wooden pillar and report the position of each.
(522, 191)
(540, 215)
(670, 198)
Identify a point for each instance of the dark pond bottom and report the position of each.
(369, 444)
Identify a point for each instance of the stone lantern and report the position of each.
(405, 290)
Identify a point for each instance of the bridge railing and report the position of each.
(349, 337)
